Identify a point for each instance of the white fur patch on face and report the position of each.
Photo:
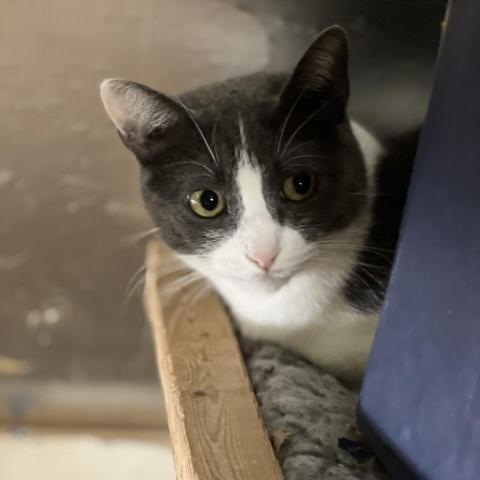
(258, 231)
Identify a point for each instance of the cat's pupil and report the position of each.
(301, 183)
(209, 200)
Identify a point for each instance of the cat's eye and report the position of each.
(206, 203)
(299, 186)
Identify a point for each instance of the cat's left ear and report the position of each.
(144, 118)
(319, 84)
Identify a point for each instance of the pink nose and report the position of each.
(265, 262)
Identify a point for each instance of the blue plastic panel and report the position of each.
(420, 403)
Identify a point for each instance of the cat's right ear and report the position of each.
(319, 85)
(143, 117)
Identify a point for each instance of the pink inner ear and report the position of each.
(138, 111)
(114, 104)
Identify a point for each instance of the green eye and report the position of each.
(298, 187)
(206, 203)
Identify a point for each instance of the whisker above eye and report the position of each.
(293, 162)
(293, 165)
(287, 118)
(364, 247)
(311, 156)
(302, 125)
(140, 272)
(200, 131)
(180, 283)
(214, 141)
(199, 164)
(304, 144)
(130, 240)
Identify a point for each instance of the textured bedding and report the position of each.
(310, 417)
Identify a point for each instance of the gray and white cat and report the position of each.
(264, 186)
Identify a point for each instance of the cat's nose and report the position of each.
(264, 261)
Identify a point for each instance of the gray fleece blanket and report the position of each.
(310, 417)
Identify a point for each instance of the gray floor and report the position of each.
(69, 203)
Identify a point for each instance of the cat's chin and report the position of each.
(271, 285)
(264, 283)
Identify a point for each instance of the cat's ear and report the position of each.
(319, 84)
(142, 116)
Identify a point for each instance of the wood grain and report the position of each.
(215, 425)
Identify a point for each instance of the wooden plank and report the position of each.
(214, 421)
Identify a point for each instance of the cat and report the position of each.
(264, 186)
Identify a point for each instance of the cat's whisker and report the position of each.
(172, 265)
(214, 141)
(186, 302)
(135, 286)
(360, 249)
(302, 125)
(166, 278)
(364, 282)
(174, 274)
(179, 311)
(362, 246)
(180, 284)
(287, 118)
(183, 303)
(193, 162)
(377, 256)
(202, 291)
(333, 242)
(300, 145)
(139, 273)
(135, 283)
(364, 268)
(380, 268)
(202, 135)
(296, 157)
(287, 164)
(369, 289)
(130, 240)
(332, 252)
(372, 277)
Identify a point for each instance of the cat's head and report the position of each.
(246, 178)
